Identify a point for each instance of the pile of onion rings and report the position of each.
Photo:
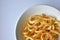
(41, 27)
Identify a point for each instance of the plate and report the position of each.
(35, 10)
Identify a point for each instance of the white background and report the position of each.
(11, 10)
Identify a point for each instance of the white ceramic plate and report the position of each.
(35, 10)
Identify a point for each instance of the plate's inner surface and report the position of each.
(35, 11)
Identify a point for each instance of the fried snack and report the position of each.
(42, 27)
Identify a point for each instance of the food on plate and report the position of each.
(41, 27)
